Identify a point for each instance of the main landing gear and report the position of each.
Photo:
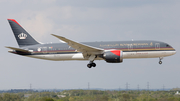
(91, 64)
(160, 58)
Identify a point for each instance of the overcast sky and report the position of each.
(90, 20)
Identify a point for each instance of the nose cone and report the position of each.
(174, 52)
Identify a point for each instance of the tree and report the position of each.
(71, 99)
(46, 99)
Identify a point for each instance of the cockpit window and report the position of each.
(168, 46)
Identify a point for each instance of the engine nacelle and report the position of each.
(113, 56)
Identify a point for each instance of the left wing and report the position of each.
(85, 49)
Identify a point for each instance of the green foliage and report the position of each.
(93, 95)
(126, 96)
(46, 99)
(10, 97)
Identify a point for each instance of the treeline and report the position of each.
(92, 95)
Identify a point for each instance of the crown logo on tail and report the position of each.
(22, 36)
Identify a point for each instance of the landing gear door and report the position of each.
(157, 46)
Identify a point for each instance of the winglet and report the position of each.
(57, 36)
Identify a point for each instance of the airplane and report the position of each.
(111, 52)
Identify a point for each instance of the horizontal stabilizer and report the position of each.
(18, 49)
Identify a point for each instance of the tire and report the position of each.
(160, 62)
(89, 65)
(93, 64)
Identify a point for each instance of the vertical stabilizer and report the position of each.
(23, 38)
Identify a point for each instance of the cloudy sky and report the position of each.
(90, 20)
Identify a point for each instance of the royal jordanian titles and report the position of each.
(111, 52)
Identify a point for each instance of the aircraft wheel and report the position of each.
(160, 62)
(93, 64)
(89, 65)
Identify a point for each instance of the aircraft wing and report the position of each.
(85, 49)
(18, 49)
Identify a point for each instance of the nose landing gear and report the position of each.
(160, 58)
(160, 62)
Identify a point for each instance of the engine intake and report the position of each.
(113, 56)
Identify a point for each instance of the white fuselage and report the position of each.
(126, 55)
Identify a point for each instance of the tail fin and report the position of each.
(23, 38)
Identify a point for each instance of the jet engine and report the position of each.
(113, 56)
